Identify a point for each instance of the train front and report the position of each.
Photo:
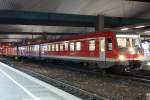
(130, 52)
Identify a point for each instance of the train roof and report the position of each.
(73, 37)
(82, 36)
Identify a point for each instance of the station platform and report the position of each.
(16, 85)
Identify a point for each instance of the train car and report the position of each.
(105, 49)
(29, 50)
(11, 51)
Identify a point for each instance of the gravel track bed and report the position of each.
(115, 89)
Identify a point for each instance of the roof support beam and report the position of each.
(56, 19)
(141, 0)
(36, 33)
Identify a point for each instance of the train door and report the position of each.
(102, 48)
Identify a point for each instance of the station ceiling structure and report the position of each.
(24, 12)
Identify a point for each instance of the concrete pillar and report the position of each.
(99, 27)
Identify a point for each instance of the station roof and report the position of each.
(132, 9)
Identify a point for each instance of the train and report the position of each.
(105, 49)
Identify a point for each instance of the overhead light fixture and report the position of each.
(124, 29)
(147, 31)
(127, 36)
(141, 26)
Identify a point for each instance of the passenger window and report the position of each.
(57, 47)
(49, 47)
(33, 48)
(109, 43)
(30, 48)
(66, 46)
(53, 47)
(44, 47)
(78, 46)
(72, 46)
(61, 47)
(92, 45)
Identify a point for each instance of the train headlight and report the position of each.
(132, 50)
(140, 56)
(122, 57)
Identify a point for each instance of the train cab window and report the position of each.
(109, 44)
(53, 47)
(61, 47)
(91, 45)
(78, 46)
(66, 46)
(72, 46)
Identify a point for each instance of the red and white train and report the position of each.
(106, 49)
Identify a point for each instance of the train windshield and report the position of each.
(126, 41)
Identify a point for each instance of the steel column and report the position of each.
(99, 23)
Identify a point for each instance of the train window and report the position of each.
(102, 45)
(37, 47)
(57, 47)
(61, 47)
(109, 45)
(30, 49)
(33, 48)
(92, 45)
(49, 47)
(44, 48)
(66, 46)
(53, 47)
(78, 46)
(72, 46)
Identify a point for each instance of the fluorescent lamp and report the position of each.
(140, 26)
(124, 29)
(128, 36)
(147, 31)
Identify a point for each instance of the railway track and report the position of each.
(142, 79)
(138, 76)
